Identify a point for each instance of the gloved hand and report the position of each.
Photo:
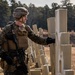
(7, 58)
(50, 40)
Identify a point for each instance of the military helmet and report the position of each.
(20, 12)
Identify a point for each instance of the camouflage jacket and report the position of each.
(22, 34)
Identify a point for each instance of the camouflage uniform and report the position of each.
(14, 40)
(22, 35)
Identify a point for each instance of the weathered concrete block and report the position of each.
(66, 55)
(51, 25)
(69, 72)
(43, 59)
(35, 72)
(45, 70)
(65, 38)
(61, 20)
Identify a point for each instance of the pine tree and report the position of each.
(4, 12)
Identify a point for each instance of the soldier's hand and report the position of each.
(7, 58)
(50, 40)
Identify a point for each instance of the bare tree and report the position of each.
(65, 2)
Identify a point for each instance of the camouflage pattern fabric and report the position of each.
(22, 34)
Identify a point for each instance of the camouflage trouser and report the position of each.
(17, 72)
(20, 70)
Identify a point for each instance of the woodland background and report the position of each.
(37, 15)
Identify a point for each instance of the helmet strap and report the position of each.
(21, 21)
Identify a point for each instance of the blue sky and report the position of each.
(42, 2)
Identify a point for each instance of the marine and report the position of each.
(14, 43)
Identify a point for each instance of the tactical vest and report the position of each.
(21, 36)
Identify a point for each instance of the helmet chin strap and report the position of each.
(22, 21)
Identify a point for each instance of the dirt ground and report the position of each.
(47, 53)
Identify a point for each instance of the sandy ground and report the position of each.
(47, 53)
